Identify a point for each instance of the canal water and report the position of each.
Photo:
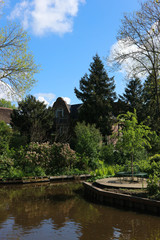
(60, 212)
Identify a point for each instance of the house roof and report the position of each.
(5, 114)
(74, 110)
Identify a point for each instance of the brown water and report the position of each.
(59, 212)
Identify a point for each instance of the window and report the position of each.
(59, 113)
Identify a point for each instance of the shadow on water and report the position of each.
(59, 211)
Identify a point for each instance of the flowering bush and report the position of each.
(39, 154)
(53, 158)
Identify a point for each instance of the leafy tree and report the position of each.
(7, 104)
(5, 136)
(149, 96)
(17, 65)
(33, 120)
(132, 97)
(133, 136)
(138, 47)
(97, 94)
(88, 142)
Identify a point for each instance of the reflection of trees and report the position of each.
(59, 204)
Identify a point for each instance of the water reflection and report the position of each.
(59, 211)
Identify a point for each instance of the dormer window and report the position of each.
(59, 113)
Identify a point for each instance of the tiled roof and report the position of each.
(74, 109)
(5, 114)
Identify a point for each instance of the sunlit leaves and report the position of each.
(17, 67)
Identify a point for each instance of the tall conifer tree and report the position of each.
(132, 98)
(150, 103)
(97, 92)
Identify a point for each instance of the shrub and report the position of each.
(153, 184)
(53, 158)
(5, 164)
(38, 155)
(15, 173)
(155, 158)
(107, 154)
(63, 157)
(88, 142)
(5, 136)
(103, 171)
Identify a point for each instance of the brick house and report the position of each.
(65, 117)
(5, 114)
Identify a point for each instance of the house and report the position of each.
(65, 117)
(5, 114)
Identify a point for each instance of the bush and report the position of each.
(88, 142)
(5, 136)
(107, 154)
(153, 184)
(5, 165)
(155, 158)
(53, 158)
(15, 173)
(63, 158)
(103, 171)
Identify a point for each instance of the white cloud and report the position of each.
(7, 93)
(47, 98)
(67, 100)
(42, 99)
(131, 65)
(134, 57)
(43, 16)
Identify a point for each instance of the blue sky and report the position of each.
(65, 35)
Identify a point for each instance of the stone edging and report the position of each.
(121, 200)
(26, 180)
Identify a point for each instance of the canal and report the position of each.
(59, 211)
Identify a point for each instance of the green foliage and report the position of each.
(6, 104)
(133, 136)
(151, 98)
(14, 173)
(5, 136)
(64, 158)
(153, 186)
(17, 63)
(155, 143)
(19, 156)
(39, 171)
(5, 165)
(54, 158)
(74, 171)
(17, 140)
(33, 120)
(97, 92)
(104, 171)
(88, 142)
(155, 158)
(144, 166)
(139, 32)
(107, 154)
(132, 98)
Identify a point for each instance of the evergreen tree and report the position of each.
(97, 92)
(132, 98)
(33, 120)
(150, 103)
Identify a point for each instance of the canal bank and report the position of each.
(25, 180)
(99, 195)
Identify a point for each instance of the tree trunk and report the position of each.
(132, 170)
